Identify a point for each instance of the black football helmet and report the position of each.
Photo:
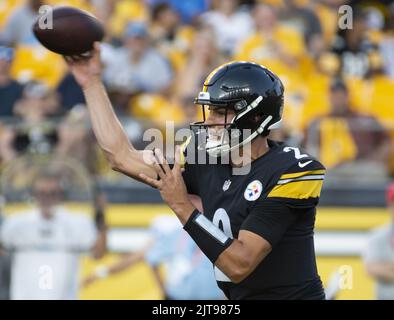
(253, 92)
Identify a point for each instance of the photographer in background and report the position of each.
(46, 243)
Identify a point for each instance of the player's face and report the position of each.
(217, 120)
(219, 116)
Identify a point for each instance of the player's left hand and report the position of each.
(171, 185)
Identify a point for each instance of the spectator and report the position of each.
(10, 90)
(38, 103)
(188, 10)
(353, 136)
(204, 57)
(70, 93)
(31, 129)
(18, 27)
(74, 139)
(32, 60)
(306, 22)
(34, 132)
(274, 45)
(327, 10)
(164, 23)
(46, 244)
(137, 66)
(169, 36)
(358, 56)
(379, 254)
(188, 273)
(230, 25)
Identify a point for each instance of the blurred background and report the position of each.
(339, 96)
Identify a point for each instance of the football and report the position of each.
(68, 31)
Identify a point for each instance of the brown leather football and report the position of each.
(68, 30)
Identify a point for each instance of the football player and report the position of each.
(256, 228)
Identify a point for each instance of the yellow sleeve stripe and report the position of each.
(183, 150)
(302, 189)
(300, 174)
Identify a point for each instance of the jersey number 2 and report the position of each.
(297, 152)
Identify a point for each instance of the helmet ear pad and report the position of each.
(254, 118)
(252, 122)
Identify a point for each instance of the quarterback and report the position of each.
(256, 228)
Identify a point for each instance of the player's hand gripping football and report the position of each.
(171, 185)
(86, 68)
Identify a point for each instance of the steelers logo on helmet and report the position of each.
(255, 96)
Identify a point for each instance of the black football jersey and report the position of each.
(276, 200)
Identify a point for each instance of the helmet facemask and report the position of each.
(213, 138)
(233, 133)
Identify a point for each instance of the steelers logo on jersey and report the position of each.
(253, 190)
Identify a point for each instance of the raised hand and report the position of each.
(86, 68)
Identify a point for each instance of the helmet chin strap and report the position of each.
(225, 149)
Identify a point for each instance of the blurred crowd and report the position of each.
(339, 78)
